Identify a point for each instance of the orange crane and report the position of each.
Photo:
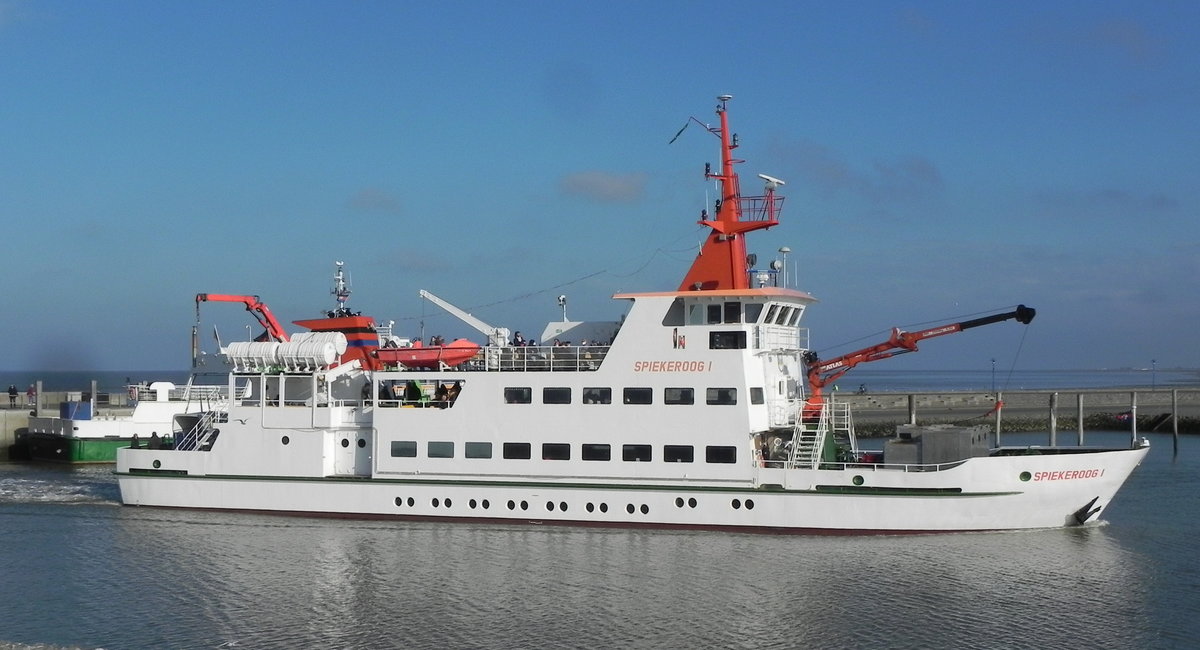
(823, 373)
(257, 308)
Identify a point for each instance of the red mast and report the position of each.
(722, 263)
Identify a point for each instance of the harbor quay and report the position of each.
(878, 411)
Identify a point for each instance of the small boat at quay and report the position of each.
(704, 409)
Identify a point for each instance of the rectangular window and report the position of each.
(771, 312)
(720, 396)
(596, 452)
(695, 315)
(636, 453)
(714, 314)
(678, 453)
(556, 395)
(518, 395)
(478, 450)
(714, 454)
(517, 451)
(784, 312)
(679, 396)
(753, 311)
(727, 340)
(639, 395)
(404, 449)
(597, 396)
(756, 395)
(733, 312)
(556, 451)
(795, 318)
(438, 449)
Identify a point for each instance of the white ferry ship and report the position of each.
(703, 410)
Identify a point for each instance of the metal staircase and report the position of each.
(809, 437)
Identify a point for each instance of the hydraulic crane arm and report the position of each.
(822, 373)
(256, 307)
(497, 336)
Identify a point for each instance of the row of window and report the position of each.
(708, 313)
(562, 451)
(602, 395)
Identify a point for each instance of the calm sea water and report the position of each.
(81, 570)
(874, 380)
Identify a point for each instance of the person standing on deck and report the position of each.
(12, 396)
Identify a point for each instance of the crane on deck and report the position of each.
(273, 329)
(497, 336)
(822, 373)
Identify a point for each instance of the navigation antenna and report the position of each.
(340, 292)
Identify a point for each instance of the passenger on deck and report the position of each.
(441, 396)
(155, 441)
(412, 392)
(135, 443)
(518, 340)
(452, 394)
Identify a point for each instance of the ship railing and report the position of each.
(813, 429)
(552, 358)
(761, 208)
(202, 434)
(781, 337)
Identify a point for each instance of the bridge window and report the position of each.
(753, 311)
(596, 452)
(714, 315)
(478, 450)
(784, 314)
(733, 312)
(795, 317)
(727, 340)
(404, 449)
(720, 396)
(517, 451)
(636, 453)
(518, 395)
(597, 396)
(756, 395)
(772, 312)
(556, 451)
(679, 396)
(678, 453)
(439, 449)
(716, 454)
(674, 317)
(556, 395)
(639, 395)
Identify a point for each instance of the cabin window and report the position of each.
(478, 450)
(795, 317)
(753, 311)
(772, 312)
(756, 395)
(597, 396)
(518, 395)
(695, 314)
(720, 454)
(733, 312)
(639, 395)
(404, 449)
(678, 453)
(596, 452)
(679, 396)
(784, 314)
(636, 453)
(439, 449)
(556, 451)
(720, 396)
(674, 317)
(517, 451)
(714, 315)
(727, 340)
(556, 395)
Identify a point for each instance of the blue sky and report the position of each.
(942, 159)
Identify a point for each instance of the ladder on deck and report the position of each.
(809, 438)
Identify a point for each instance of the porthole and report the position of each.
(590, 507)
(362, 443)
(645, 509)
(678, 502)
(857, 480)
(345, 442)
(411, 502)
(399, 501)
(435, 503)
(1025, 476)
(512, 505)
(737, 504)
(486, 505)
(285, 440)
(524, 505)
(603, 507)
(157, 464)
(550, 506)
(630, 508)
(447, 502)
(562, 506)
(692, 502)
(471, 503)
(749, 504)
